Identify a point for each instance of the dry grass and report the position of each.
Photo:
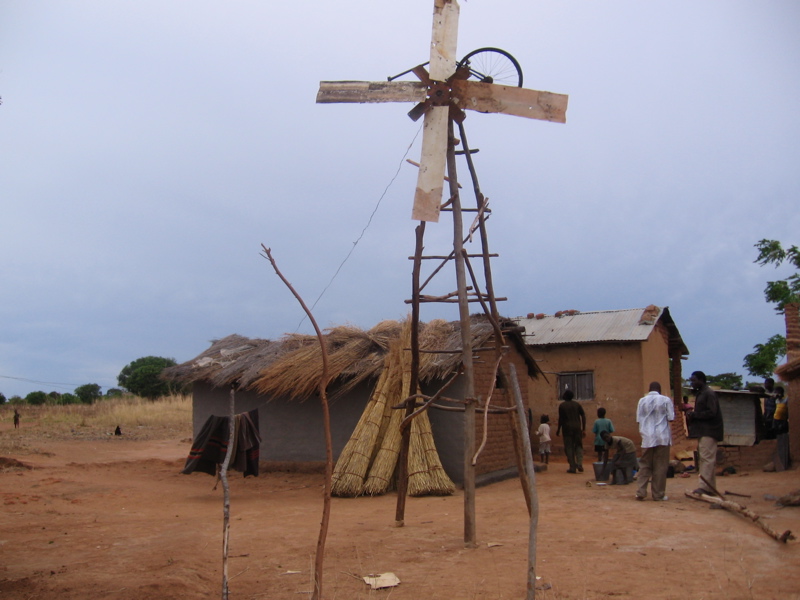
(168, 417)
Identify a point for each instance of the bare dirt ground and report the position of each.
(114, 518)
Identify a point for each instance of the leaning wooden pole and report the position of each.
(326, 423)
(470, 537)
(491, 308)
(501, 374)
(402, 467)
(226, 490)
(531, 480)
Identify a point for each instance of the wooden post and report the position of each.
(531, 480)
(226, 491)
(470, 539)
(402, 467)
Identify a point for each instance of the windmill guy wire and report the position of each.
(364, 230)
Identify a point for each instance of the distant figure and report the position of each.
(118, 431)
(780, 425)
(686, 407)
(705, 424)
(544, 438)
(624, 461)
(653, 414)
(572, 420)
(16, 419)
(601, 424)
(770, 402)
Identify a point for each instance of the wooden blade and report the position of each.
(520, 102)
(371, 91)
(444, 39)
(428, 195)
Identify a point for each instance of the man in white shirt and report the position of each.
(653, 415)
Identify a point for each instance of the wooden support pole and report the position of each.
(226, 490)
(531, 482)
(470, 536)
(402, 467)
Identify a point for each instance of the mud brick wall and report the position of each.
(746, 458)
(498, 454)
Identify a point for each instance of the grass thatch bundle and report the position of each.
(426, 475)
(356, 457)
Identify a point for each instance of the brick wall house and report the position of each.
(608, 359)
(790, 373)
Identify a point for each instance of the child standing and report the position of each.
(601, 424)
(544, 438)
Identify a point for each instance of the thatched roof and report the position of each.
(292, 366)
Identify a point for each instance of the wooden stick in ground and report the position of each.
(744, 512)
(226, 491)
(531, 479)
(326, 423)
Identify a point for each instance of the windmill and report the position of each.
(443, 92)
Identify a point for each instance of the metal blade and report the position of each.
(428, 195)
(371, 91)
(419, 110)
(520, 102)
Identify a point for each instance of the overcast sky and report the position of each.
(148, 149)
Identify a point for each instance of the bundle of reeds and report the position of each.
(426, 476)
(381, 473)
(356, 457)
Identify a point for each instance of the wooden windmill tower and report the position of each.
(442, 94)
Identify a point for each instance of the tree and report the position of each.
(142, 377)
(70, 399)
(786, 290)
(114, 393)
(765, 357)
(726, 381)
(762, 362)
(2, 398)
(88, 393)
(36, 398)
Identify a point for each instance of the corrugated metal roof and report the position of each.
(600, 326)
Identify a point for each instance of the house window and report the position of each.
(581, 384)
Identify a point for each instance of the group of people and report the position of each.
(653, 415)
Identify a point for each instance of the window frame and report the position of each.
(580, 382)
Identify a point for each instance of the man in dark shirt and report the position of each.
(572, 420)
(705, 424)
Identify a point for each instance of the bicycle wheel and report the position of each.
(493, 65)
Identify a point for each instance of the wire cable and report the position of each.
(364, 230)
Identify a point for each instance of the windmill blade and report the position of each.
(370, 91)
(444, 37)
(430, 181)
(520, 102)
